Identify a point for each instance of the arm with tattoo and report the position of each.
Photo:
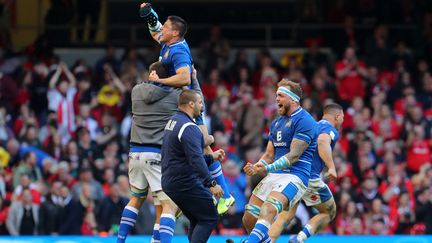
(297, 148)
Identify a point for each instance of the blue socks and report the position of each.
(127, 222)
(216, 173)
(156, 235)
(166, 227)
(260, 232)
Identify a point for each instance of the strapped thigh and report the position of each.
(253, 210)
(275, 203)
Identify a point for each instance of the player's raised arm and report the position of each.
(152, 20)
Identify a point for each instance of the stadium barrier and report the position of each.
(218, 239)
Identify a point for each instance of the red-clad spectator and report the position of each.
(84, 119)
(350, 73)
(419, 151)
(214, 86)
(89, 225)
(26, 117)
(26, 184)
(377, 219)
(266, 74)
(385, 125)
(4, 209)
(357, 105)
(60, 100)
(349, 222)
(391, 190)
(23, 96)
(402, 105)
(321, 87)
(403, 214)
(386, 79)
(108, 180)
(63, 175)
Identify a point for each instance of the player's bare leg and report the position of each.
(252, 213)
(327, 212)
(280, 223)
(273, 205)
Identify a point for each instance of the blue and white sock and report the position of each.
(260, 232)
(305, 233)
(156, 235)
(216, 173)
(166, 227)
(127, 222)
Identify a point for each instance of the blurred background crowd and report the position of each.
(64, 128)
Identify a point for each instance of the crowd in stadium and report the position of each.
(64, 133)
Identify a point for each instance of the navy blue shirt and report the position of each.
(325, 127)
(184, 164)
(300, 125)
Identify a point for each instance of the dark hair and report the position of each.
(160, 68)
(293, 87)
(84, 170)
(27, 155)
(187, 96)
(80, 131)
(53, 123)
(179, 24)
(332, 108)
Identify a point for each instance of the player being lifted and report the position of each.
(292, 143)
(317, 194)
(176, 55)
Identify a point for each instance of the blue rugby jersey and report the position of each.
(318, 164)
(175, 56)
(300, 125)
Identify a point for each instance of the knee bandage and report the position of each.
(138, 193)
(275, 203)
(253, 210)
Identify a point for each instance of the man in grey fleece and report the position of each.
(153, 104)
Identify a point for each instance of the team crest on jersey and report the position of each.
(288, 124)
(166, 54)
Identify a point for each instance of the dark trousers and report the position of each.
(197, 205)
